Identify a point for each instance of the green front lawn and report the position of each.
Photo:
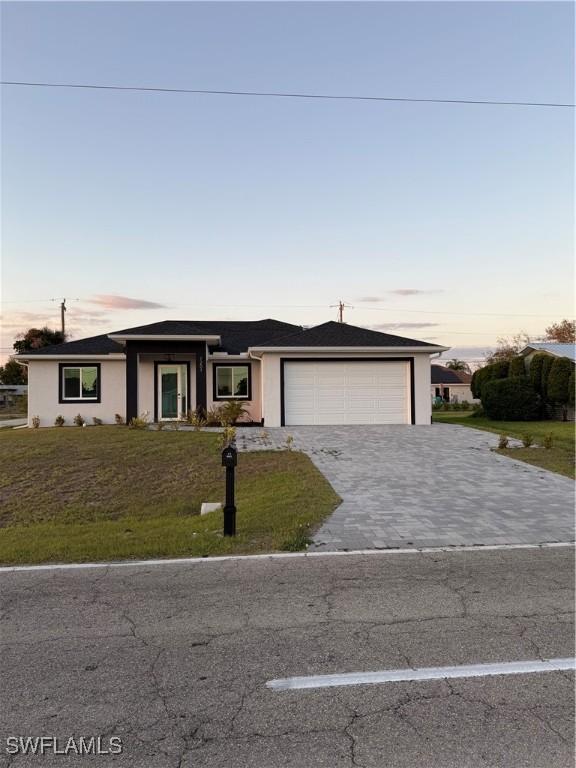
(109, 493)
(559, 458)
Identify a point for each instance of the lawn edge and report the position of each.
(284, 555)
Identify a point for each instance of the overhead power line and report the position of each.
(359, 307)
(286, 95)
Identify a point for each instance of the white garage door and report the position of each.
(346, 393)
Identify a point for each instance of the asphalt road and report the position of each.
(173, 659)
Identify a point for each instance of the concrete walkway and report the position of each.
(427, 486)
(11, 423)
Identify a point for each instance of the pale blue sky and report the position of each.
(203, 203)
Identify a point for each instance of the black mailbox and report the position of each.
(229, 456)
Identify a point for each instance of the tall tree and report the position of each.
(509, 347)
(458, 365)
(13, 373)
(35, 338)
(563, 332)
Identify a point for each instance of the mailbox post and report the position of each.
(229, 460)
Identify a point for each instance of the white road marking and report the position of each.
(422, 673)
(278, 556)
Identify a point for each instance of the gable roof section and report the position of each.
(559, 350)
(441, 375)
(235, 336)
(95, 345)
(333, 334)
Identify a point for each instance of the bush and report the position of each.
(97, 422)
(546, 366)
(527, 441)
(513, 399)
(59, 421)
(196, 418)
(558, 386)
(35, 421)
(482, 376)
(79, 420)
(571, 388)
(517, 367)
(548, 441)
(118, 419)
(140, 422)
(503, 442)
(535, 371)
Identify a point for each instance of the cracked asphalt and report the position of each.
(174, 660)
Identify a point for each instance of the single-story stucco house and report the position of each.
(451, 386)
(333, 373)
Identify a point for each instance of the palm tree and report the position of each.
(458, 365)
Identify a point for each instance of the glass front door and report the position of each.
(172, 392)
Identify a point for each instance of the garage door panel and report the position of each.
(371, 392)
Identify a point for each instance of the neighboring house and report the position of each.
(9, 394)
(451, 386)
(551, 348)
(334, 373)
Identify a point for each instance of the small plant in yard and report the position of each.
(503, 442)
(548, 441)
(118, 419)
(227, 437)
(231, 412)
(299, 541)
(79, 420)
(139, 422)
(265, 436)
(196, 418)
(527, 441)
(59, 421)
(289, 442)
(96, 421)
(35, 421)
(160, 426)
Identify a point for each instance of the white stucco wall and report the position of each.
(461, 391)
(271, 403)
(43, 393)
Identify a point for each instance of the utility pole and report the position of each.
(341, 307)
(62, 317)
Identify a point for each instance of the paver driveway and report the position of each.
(427, 486)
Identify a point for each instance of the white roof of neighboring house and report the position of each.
(559, 350)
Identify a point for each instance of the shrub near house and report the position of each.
(510, 392)
(511, 399)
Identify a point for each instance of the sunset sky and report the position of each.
(444, 222)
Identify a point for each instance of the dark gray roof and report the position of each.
(236, 336)
(334, 334)
(95, 345)
(442, 375)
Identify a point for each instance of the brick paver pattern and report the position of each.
(426, 486)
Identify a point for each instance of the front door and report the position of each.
(172, 392)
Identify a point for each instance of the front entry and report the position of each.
(172, 392)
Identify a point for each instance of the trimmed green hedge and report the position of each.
(511, 399)
(482, 376)
(517, 367)
(535, 371)
(558, 388)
